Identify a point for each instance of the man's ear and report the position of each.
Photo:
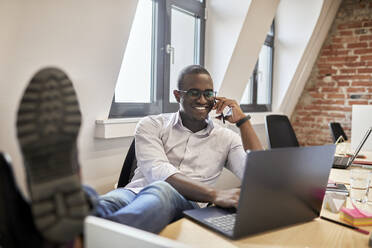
(177, 95)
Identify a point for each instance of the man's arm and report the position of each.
(200, 192)
(248, 135)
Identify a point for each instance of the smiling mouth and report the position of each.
(202, 108)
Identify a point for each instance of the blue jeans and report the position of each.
(154, 207)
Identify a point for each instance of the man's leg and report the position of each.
(109, 203)
(153, 208)
(48, 122)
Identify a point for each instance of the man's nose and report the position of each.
(202, 99)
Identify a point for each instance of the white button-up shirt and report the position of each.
(165, 147)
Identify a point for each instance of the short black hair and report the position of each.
(188, 70)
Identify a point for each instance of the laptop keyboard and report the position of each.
(225, 223)
(341, 160)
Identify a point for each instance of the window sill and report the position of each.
(115, 128)
(124, 127)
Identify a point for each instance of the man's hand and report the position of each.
(227, 198)
(237, 112)
(249, 137)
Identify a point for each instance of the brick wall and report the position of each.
(341, 76)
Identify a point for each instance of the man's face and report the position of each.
(195, 108)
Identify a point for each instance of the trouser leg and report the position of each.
(153, 208)
(107, 204)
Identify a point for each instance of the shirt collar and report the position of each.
(178, 122)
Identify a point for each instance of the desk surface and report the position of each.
(316, 233)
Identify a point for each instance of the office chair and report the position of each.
(280, 132)
(130, 164)
(337, 131)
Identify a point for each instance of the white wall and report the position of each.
(222, 31)
(84, 38)
(301, 27)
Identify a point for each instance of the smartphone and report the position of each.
(337, 187)
(226, 112)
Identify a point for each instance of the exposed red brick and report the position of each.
(303, 112)
(340, 96)
(346, 39)
(350, 25)
(365, 58)
(355, 64)
(359, 45)
(348, 70)
(349, 90)
(367, 24)
(365, 70)
(323, 65)
(363, 51)
(334, 46)
(337, 40)
(313, 107)
(325, 84)
(362, 102)
(336, 52)
(316, 95)
(308, 118)
(345, 33)
(336, 115)
(327, 71)
(365, 37)
(334, 102)
(360, 83)
(362, 5)
(350, 77)
(344, 73)
(334, 108)
(344, 58)
(329, 89)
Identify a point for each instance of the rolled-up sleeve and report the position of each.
(151, 158)
(236, 157)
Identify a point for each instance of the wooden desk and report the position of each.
(317, 233)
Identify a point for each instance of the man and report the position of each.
(180, 156)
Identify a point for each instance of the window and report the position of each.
(166, 35)
(257, 94)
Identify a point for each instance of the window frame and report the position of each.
(254, 107)
(160, 87)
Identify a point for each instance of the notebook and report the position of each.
(356, 217)
(280, 187)
(341, 162)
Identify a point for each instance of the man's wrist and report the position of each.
(212, 195)
(243, 120)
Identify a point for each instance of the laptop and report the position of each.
(342, 162)
(280, 187)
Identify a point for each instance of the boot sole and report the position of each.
(48, 124)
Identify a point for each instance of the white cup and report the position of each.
(360, 180)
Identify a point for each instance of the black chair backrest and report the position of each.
(130, 164)
(280, 132)
(337, 131)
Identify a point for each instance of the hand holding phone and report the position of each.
(228, 109)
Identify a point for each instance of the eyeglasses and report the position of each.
(195, 93)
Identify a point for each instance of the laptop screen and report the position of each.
(360, 146)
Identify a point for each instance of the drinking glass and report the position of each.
(359, 184)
